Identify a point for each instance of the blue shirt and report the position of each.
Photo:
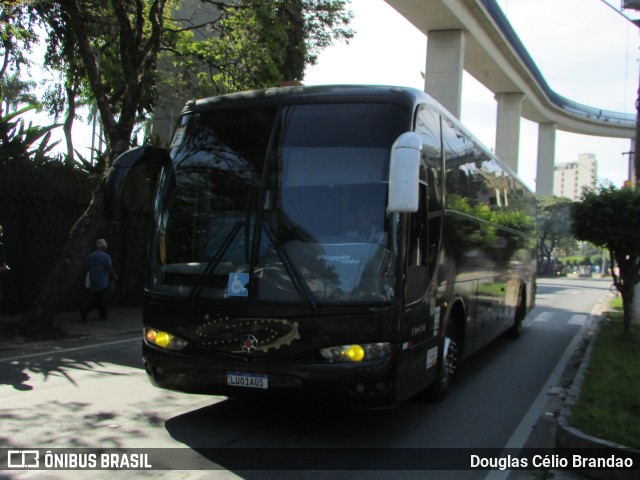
(99, 264)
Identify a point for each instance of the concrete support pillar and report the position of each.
(445, 64)
(508, 128)
(546, 158)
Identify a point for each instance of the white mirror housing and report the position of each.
(404, 174)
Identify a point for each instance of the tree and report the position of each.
(554, 226)
(610, 218)
(71, 91)
(118, 44)
(16, 92)
(252, 44)
(17, 22)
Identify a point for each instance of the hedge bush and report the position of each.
(39, 203)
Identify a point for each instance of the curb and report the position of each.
(568, 437)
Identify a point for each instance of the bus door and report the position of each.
(417, 323)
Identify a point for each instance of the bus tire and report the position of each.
(448, 363)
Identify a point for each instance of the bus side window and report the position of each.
(429, 127)
(461, 171)
(417, 254)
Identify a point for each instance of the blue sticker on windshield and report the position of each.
(237, 285)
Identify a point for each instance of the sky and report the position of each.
(586, 51)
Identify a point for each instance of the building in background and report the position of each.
(570, 178)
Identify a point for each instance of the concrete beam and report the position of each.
(508, 128)
(444, 69)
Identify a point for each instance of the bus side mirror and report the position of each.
(121, 169)
(404, 174)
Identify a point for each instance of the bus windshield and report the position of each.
(279, 204)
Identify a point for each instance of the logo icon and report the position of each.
(237, 285)
(23, 459)
(249, 343)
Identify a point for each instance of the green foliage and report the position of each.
(505, 217)
(610, 218)
(253, 45)
(22, 142)
(16, 92)
(554, 225)
(610, 396)
(17, 34)
(107, 54)
(577, 260)
(41, 198)
(96, 167)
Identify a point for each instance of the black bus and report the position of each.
(349, 242)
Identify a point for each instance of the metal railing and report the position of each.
(576, 109)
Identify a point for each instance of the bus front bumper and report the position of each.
(367, 384)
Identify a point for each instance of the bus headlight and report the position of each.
(356, 353)
(163, 339)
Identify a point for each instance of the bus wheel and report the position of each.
(447, 366)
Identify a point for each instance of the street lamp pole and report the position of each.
(633, 176)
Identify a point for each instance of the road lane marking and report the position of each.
(578, 319)
(543, 317)
(67, 350)
(573, 292)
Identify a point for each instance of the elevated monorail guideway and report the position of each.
(476, 36)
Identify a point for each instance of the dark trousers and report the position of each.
(97, 302)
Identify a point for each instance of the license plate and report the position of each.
(247, 380)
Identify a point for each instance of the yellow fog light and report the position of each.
(355, 353)
(163, 339)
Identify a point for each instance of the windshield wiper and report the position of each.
(215, 260)
(298, 282)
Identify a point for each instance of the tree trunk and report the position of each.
(292, 14)
(68, 123)
(627, 305)
(635, 306)
(625, 282)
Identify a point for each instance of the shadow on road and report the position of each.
(25, 373)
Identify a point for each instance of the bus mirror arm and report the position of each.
(119, 172)
(404, 174)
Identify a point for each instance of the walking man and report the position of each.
(100, 269)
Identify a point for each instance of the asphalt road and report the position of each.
(97, 395)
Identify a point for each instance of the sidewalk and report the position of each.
(120, 321)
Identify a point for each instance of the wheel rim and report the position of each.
(450, 357)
